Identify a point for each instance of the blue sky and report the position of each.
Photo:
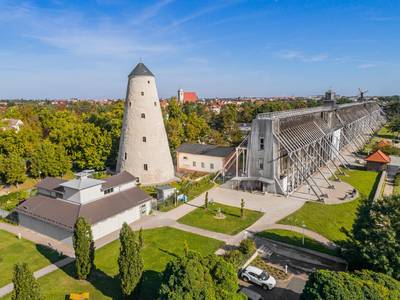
(86, 48)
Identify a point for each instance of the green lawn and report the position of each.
(386, 133)
(328, 220)
(160, 246)
(13, 250)
(295, 238)
(232, 223)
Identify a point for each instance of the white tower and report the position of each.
(143, 148)
(180, 95)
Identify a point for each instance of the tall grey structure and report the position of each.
(143, 148)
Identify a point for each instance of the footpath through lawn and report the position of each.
(160, 246)
(231, 224)
(14, 250)
(328, 220)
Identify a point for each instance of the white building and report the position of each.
(106, 204)
(143, 149)
(202, 158)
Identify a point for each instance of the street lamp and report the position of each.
(304, 226)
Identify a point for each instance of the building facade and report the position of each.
(144, 150)
(106, 204)
(187, 97)
(202, 158)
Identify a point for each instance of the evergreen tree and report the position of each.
(130, 261)
(26, 286)
(84, 248)
(141, 241)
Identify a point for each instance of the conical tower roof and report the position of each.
(141, 70)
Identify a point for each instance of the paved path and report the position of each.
(42, 272)
(38, 238)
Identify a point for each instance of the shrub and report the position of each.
(10, 201)
(247, 246)
(235, 257)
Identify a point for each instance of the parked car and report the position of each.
(259, 277)
(251, 295)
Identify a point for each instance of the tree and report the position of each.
(130, 261)
(141, 241)
(206, 201)
(330, 285)
(84, 248)
(242, 208)
(247, 247)
(186, 277)
(49, 160)
(14, 169)
(394, 124)
(193, 276)
(375, 242)
(26, 286)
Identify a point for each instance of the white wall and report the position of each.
(85, 195)
(187, 164)
(114, 223)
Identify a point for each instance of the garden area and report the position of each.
(230, 221)
(160, 246)
(295, 239)
(328, 220)
(14, 250)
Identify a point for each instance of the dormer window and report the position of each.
(108, 191)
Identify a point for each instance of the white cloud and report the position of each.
(366, 66)
(300, 56)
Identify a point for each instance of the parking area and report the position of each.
(290, 289)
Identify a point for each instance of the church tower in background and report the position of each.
(143, 148)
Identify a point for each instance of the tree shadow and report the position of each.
(150, 285)
(168, 252)
(49, 253)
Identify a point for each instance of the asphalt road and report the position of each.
(284, 290)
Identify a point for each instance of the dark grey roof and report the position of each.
(64, 214)
(202, 149)
(141, 70)
(116, 180)
(50, 183)
(60, 213)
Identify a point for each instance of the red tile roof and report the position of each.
(379, 157)
(189, 97)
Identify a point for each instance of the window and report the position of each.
(211, 166)
(143, 116)
(261, 146)
(148, 81)
(185, 157)
(108, 191)
(261, 164)
(59, 195)
(203, 165)
(145, 167)
(194, 164)
(130, 103)
(143, 209)
(126, 155)
(144, 139)
(155, 103)
(142, 93)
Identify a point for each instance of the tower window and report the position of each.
(155, 103)
(145, 167)
(261, 164)
(261, 146)
(126, 155)
(148, 81)
(130, 103)
(143, 116)
(144, 139)
(142, 93)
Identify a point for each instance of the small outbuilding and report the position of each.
(164, 192)
(377, 161)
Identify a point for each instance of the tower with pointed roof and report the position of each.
(143, 149)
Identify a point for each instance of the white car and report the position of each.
(259, 277)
